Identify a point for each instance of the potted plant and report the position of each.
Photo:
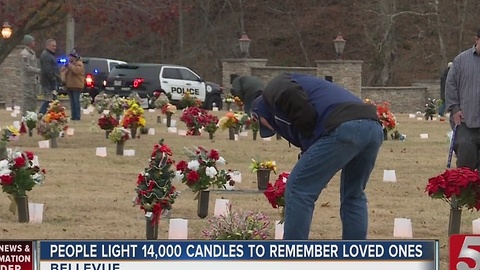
(30, 119)
(52, 123)
(460, 188)
(155, 191)
(117, 105)
(161, 100)
(169, 110)
(9, 133)
(18, 175)
(430, 109)
(85, 100)
(238, 225)
(229, 121)
(192, 117)
(275, 194)
(119, 136)
(263, 170)
(229, 99)
(210, 124)
(133, 117)
(200, 172)
(107, 123)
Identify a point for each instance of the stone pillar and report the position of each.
(346, 73)
(239, 66)
(10, 80)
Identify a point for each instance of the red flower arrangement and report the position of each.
(107, 122)
(155, 191)
(201, 172)
(276, 193)
(383, 112)
(209, 122)
(459, 187)
(192, 117)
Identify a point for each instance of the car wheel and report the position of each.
(214, 99)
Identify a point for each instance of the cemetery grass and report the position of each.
(89, 197)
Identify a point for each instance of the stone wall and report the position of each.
(10, 81)
(402, 99)
(345, 73)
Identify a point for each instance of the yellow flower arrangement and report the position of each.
(264, 165)
(228, 121)
(133, 116)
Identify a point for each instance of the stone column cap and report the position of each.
(338, 61)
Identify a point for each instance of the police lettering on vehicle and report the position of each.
(181, 90)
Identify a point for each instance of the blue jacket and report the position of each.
(303, 108)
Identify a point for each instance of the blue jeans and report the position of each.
(74, 97)
(352, 147)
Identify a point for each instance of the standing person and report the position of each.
(49, 74)
(74, 74)
(441, 109)
(30, 72)
(335, 130)
(247, 88)
(463, 101)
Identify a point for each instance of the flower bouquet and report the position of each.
(19, 174)
(200, 173)
(387, 118)
(238, 225)
(161, 101)
(117, 106)
(229, 121)
(263, 170)
(242, 121)
(107, 123)
(238, 101)
(9, 133)
(460, 188)
(276, 194)
(229, 99)
(119, 136)
(133, 117)
(210, 123)
(155, 191)
(189, 101)
(85, 100)
(52, 123)
(169, 110)
(30, 119)
(430, 109)
(101, 102)
(192, 117)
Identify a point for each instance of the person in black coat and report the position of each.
(443, 79)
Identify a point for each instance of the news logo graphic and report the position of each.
(464, 252)
(239, 255)
(16, 255)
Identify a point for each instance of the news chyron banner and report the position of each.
(18, 255)
(238, 255)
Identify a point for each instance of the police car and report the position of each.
(148, 80)
(96, 71)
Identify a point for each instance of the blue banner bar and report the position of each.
(422, 250)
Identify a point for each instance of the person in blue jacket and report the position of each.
(335, 130)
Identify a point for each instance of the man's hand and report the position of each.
(457, 118)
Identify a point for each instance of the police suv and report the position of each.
(147, 80)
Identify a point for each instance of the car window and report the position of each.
(113, 64)
(188, 75)
(124, 71)
(171, 73)
(95, 66)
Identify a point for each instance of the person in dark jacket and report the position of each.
(335, 130)
(441, 109)
(49, 74)
(247, 88)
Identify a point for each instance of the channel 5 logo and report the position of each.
(465, 252)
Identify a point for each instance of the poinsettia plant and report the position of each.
(19, 174)
(155, 190)
(459, 187)
(201, 171)
(276, 193)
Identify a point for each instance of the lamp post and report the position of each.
(244, 43)
(6, 30)
(339, 44)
